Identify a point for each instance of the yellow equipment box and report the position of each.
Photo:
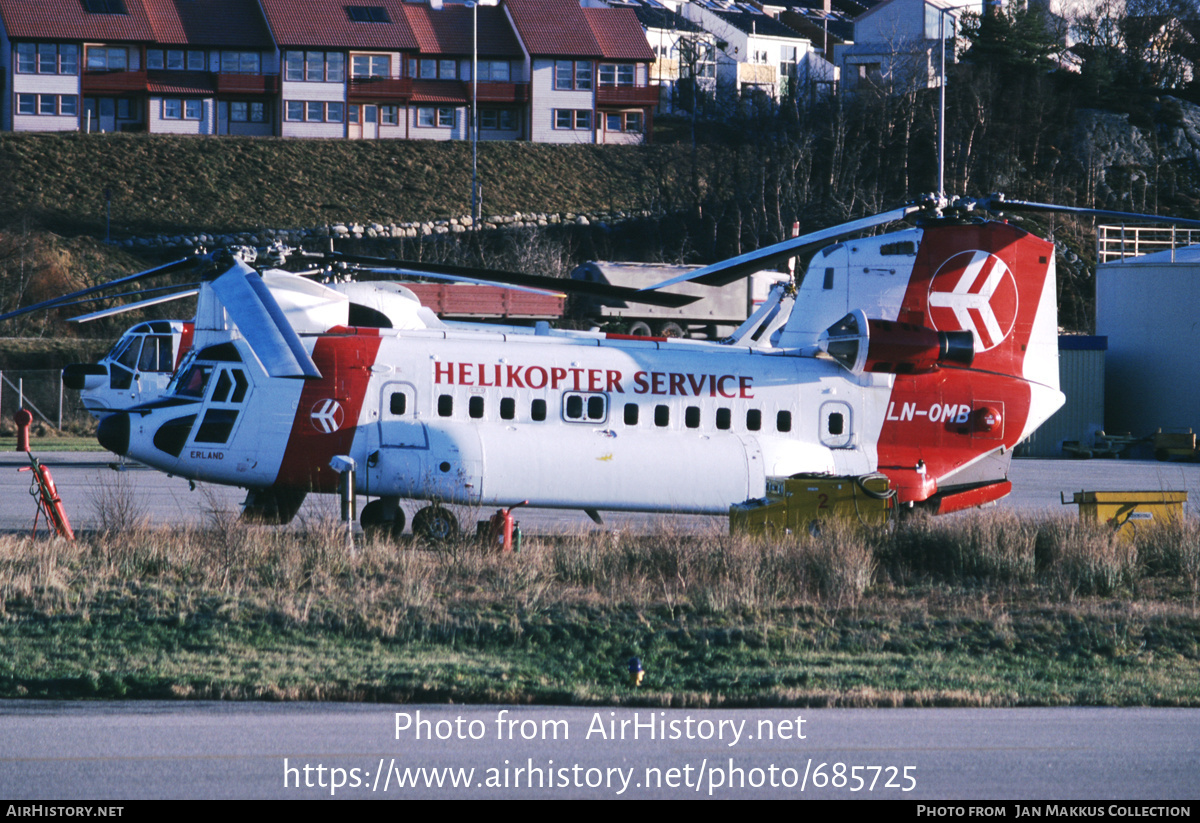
(797, 504)
(1128, 511)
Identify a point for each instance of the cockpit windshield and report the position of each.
(192, 381)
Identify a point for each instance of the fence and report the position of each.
(1119, 242)
(41, 391)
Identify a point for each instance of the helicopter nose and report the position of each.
(79, 376)
(113, 433)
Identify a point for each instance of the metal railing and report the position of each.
(1119, 242)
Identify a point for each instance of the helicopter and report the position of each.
(925, 353)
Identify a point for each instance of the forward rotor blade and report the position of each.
(454, 278)
(506, 278)
(735, 268)
(56, 302)
(261, 321)
(998, 203)
(141, 304)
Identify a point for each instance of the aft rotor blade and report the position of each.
(507, 278)
(141, 304)
(735, 268)
(56, 302)
(261, 321)
(999, 203)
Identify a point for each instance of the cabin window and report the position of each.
(837, 423)
(579, 407)
(783, 421)
(508, 408)
(691, 417)
(221, 391)
(753, 419)
(217, 426)
(193, 382)
(828, 284)
(475, 407)
(724, 419)
(631, 414)
(398, 403)
(445, 405)
(662, 416)
(537, 410)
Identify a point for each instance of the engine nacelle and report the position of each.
(863, 345)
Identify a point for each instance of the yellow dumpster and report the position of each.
(797, 504)
(1128, 511)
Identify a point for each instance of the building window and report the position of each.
(577, 119)
(102, 58)
(494, 71)
(335, 112)
(315, 66)
(241, 111)
(312, 111)
(447, 70)
(431, 117)
(47, 58)
(370, 65)
(177, 109)
(498, 119)
(612, 74)
(195, 61)
(294, 110)
(68, 104)
(240, 62)
(629, 121)
(368, 14)
(389, 115)
(573, 74)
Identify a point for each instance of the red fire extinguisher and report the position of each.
(503, 531)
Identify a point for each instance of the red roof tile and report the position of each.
(230, 23)
(325, 23)
(620, 35)
(553, 27)
(449, 31)
(67, 20)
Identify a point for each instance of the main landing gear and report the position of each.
(385, 518)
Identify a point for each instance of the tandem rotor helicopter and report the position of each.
(926, 354)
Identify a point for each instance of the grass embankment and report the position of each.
(981, 611)
(168, 184)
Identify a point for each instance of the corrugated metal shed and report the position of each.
(1081, 378)
(1149, 308)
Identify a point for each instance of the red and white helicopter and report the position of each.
(925, 354)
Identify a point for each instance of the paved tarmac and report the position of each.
(92, 491)
(96, 750)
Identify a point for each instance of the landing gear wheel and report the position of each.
(639, 328)
(671, 329)
(436, 524)
(377, 521)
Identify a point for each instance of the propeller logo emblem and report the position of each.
(327, 416)
(974, 291)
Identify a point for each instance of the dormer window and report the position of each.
(104, 6)
(368, 14)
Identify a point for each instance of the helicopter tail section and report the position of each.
(948, 433)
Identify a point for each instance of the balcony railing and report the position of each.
(380, 88)
(501, 92)
(247, 83)
(123, 82)
(94, 82)
(633, 96)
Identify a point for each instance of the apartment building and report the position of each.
(548, 70)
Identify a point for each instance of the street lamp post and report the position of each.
(474, 7)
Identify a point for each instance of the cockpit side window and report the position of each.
(193, 381)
